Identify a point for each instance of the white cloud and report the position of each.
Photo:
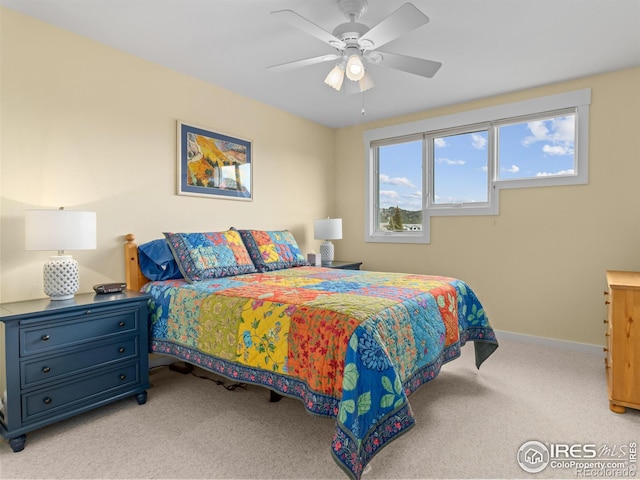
(513, 169)
(396, 181)
(539, 132)
(449, 161)
(389, 194)
(478, 141)
(440, 142)
(570, 171)
(558, 149)
(558, 134)
(563, 129)
(410, 201)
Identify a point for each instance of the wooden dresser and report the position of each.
(623, 340)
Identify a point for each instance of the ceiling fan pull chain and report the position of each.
(363, 111)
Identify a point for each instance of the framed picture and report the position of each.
(213, 164)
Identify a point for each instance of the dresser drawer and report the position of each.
(90, 326)
(71, 395)
(42, 370)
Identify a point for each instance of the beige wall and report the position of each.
(87, 127)
(538, 267)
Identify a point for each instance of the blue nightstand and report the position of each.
(63, 358)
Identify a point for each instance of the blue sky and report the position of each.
(527, 150)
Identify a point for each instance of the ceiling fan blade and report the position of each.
(417, 66)
(309, 27)
(401, 21)
(283, 67)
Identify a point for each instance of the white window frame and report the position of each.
(579, 177)
(373, 174)
(480, 208)
(579, 100)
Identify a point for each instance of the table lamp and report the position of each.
(60, 230)
(327, 229)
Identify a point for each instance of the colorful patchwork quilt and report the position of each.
(350, 344)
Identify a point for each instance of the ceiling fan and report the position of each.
(357, 45)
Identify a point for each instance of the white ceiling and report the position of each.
(487, 47)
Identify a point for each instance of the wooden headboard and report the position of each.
(133, 276)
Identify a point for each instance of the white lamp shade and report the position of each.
(60, 230)
(366, 82)
(335, 78)
(328, 229)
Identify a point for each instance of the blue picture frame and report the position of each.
(214, 165)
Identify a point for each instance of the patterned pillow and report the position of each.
(202, 256)
(273, 250)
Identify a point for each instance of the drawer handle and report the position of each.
(44, 338)
(47, 400)
(123, 376)
(607, 302)
(121, 324)
(121, 350)
(46, 369)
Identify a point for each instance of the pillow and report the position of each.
(157, 262)
(202, 256)
(273, 250)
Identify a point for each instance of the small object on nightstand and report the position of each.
(343, 265)
(102, 288)
(314, 259)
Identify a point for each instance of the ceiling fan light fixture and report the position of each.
(355, 68)
(335, 78)
(366, 82)
(366, 43)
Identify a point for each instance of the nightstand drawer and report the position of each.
(73, 394)
(83, 328)
(50, 368)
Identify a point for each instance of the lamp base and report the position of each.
(60, 276)
(326, 252)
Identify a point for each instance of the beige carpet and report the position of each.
(470, 424)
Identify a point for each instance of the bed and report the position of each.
(350, 344)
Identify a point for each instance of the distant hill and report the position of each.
(408, 216)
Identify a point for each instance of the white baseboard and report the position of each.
(550, 342)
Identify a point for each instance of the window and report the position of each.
(457, 164)
(541, 146)
(460, 168)
(399, 189)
